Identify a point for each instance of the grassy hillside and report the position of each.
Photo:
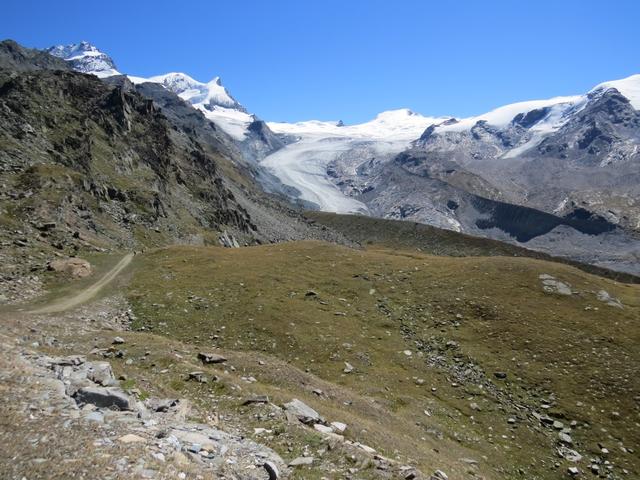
(370, 231)
(426, 337)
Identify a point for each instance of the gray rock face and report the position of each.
(208, 358)
(103, 398)
(101, 373)
(605, 297)
(18, 58)
(552, 285)
(301, 461)
(303, 412)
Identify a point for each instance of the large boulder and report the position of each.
(211, 358)
(103, 398)
(101, 373)
(75, 267)
(303, 412)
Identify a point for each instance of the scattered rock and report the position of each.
(101, 373)
(604, 296)
(322, 428)
(348, 368)
(303, 412)
(439, 475)
(552, 285)
(96, 416)
(256, 399)
(272, 470)
(118, 341)
(300, 461)
(500, 375)
(199, 377)
(208, 358)
(365, 448)
(565, 438)
(338, 426)
(161, 404)
(569, 454)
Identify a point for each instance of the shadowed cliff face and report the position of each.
(527, 223)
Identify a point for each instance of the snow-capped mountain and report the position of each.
(212, 98)
(561, 175)
(393, 125)
(86, 58)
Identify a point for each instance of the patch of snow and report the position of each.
(401, 124)
(502, 116)
(233, 122)
(629, 87)
(86, 58)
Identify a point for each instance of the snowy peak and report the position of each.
(557, 110)
(86, 58)
(629, 87)
(212, 98)
(540, 118)
(393, 125)
(208, 95)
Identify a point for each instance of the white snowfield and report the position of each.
(396, 125)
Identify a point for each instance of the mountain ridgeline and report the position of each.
(559, 176)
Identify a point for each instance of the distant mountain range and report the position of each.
(559, 175)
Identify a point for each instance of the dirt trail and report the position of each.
(88, 293)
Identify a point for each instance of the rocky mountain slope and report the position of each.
(251, 134)
(86, 164)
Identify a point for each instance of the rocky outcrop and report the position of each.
(18, 58)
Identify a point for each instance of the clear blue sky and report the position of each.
(350, 59)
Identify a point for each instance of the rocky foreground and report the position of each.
(68, 413)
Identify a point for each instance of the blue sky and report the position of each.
(350, 59)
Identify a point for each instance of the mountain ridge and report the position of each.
(568, 157)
